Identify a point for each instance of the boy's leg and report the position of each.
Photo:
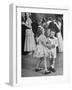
(53, 63)
(52, 66)
(53, 58)
(38, 64)
(45, 64)
(50, 58)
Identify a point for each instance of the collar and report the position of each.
(51, 37)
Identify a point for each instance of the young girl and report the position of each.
(41, 51)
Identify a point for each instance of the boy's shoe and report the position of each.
(47, 72)
(52, 69)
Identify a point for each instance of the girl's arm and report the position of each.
(49, 46)
(37, 39)
(46, 45)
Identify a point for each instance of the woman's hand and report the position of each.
(55, 22)
(23, 23)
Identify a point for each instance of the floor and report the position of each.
(29, 63)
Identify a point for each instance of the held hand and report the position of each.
(49, 46)
(53, 46)
(48, 42)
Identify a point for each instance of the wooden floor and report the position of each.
(29, 63)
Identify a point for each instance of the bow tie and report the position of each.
(52, 37)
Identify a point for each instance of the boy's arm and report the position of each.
(46, 45)
(55, 44)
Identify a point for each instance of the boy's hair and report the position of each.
(52, 29)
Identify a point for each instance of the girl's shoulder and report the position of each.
(42, 36)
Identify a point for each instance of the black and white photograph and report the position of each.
(41, 44)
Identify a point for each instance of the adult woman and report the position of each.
(23, 27)
(29, 36)
(60, 40)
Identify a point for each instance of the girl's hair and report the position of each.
(46, 32)
(39, 31)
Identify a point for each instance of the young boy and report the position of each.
(54, 44)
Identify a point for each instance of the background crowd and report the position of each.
(30, 23)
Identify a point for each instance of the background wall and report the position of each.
(4, 42)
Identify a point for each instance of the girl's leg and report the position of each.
(38, 64)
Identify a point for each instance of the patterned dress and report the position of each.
(41, 50)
